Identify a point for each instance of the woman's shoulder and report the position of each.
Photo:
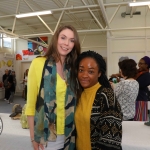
(107, 91)
(38, 60)
(144, 75)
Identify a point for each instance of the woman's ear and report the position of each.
(99, 74)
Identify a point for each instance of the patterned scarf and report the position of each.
(46, 108)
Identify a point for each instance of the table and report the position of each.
(136, 136)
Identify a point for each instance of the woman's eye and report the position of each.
(72, 41)
(62, 37)
(80, 70)
(91, 72)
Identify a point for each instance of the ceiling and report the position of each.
(87, 16)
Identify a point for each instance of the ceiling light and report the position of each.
(34, 14)
(139, 3)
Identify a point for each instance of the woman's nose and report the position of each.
(85, 74)
(66, 42)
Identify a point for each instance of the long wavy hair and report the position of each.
(52, 51)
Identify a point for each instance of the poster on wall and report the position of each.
(34, 49)
(5, 63)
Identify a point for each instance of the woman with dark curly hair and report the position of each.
(127, 90)
(143, 78)
(98, 116)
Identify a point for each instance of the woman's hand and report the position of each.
(37, 146)
(112, 85)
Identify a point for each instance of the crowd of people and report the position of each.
(71, 102)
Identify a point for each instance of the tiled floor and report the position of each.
(13, 136)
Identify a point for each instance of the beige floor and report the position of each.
(13, 136)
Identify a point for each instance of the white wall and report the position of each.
(21, 65)
(132, 43)
(96, 42)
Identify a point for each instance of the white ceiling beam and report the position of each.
(40, 19)
(94, 30)
(59, 9)
(60, 16)
(117, 29)
(114, 14)
(15, 17)
(86, 34)
(75, 7)
(93, 15)
(101, 5)
(2, 28)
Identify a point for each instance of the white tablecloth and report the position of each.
(136, 136)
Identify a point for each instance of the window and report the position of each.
(6, 41)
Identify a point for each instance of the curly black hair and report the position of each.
(128, 68)
(103, 80)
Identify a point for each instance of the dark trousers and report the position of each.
(25, 92)
(7, 93)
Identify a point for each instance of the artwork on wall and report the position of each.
(33, 49)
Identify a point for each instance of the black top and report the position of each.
(4, 77)
(144, 81)
(11, 84)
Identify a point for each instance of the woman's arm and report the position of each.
(31, 128)
(31, 101)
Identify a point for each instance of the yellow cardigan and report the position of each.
(34, 80)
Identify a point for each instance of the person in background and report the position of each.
(98, 114)
(51, 97)
(14, 79)
(143, 78)
(11, 88)
(5, 84)
(25, 84)
(126, 91)
(118, 76)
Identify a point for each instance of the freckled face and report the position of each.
(65, 42)
(88, 72)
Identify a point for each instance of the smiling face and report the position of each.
(65, 42)
(142, 65)
(88, 72)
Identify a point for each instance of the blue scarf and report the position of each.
(46, 106)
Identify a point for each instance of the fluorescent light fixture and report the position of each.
(139, 3)
(34, 14)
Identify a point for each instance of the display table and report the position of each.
(136, 136)
(2, 93)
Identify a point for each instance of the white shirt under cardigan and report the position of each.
(126, 93)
